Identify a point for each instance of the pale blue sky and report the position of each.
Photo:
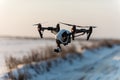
(18, 16)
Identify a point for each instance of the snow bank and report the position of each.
(97, 64)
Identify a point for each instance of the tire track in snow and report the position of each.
(91, 66)
(97, 68)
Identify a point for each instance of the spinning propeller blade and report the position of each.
(67, 24)
(77, 25)
(86, 26)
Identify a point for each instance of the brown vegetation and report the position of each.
(102, 43)
(47, 55)
(35, 56)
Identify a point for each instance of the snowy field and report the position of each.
(102, 64)
(98, 64)
(19, 48)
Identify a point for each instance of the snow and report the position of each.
(18, 48)
(92, 66)
(97, 64)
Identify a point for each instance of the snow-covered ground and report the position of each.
(102, 64)
(97, 64)
(18, 48)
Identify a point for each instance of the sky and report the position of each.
(18, 16)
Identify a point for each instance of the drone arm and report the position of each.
(89, 31)
(80, 34)
(52, 29)
(80, 31)
(75, 31)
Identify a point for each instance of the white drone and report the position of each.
(64, 36)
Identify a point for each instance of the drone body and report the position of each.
(64, 36)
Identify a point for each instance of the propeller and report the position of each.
(77, 25)
(87, 26)
(67, 24)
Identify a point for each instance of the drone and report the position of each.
(64, 36)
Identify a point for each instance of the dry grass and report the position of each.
(39, 55)
(102, 43)
(47, 55)
(35, 56)
(12, 62)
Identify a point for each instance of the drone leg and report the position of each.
(41, 35)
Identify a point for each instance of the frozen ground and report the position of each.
(18, 48)
(99, 64)
(102, 64)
